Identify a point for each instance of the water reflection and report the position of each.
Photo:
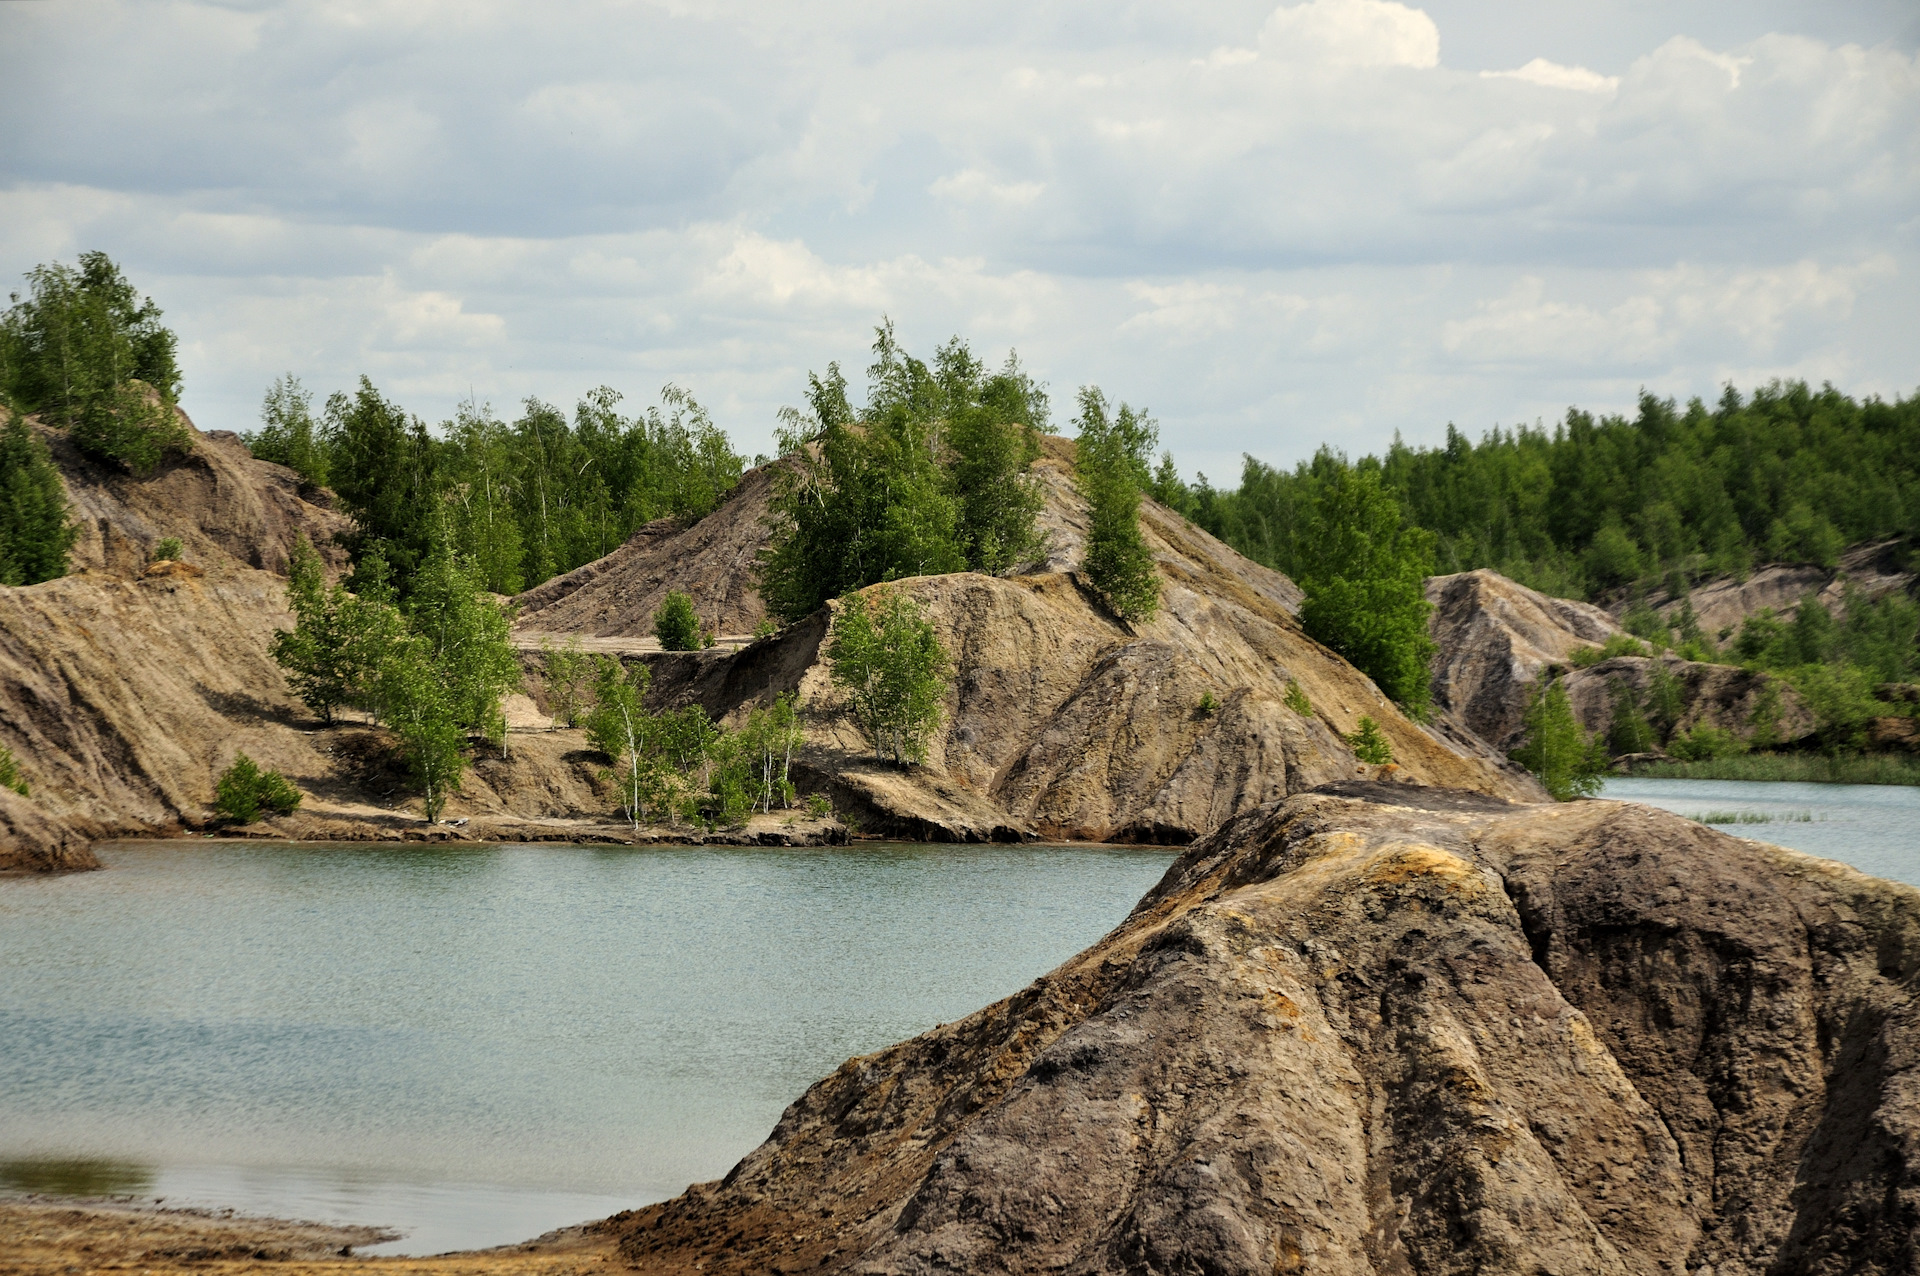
(77, 1178)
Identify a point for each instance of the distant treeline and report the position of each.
(520, 501)
(1789, 474)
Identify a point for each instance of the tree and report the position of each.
(384, 468)
(1110, 467)
(1370, 744)
(419, 705)
(569, 675)
(676, 624)
(468, 637)
(768, 740)
(1363, 571)
(889, 661)
(287, 434)
(244, 790)
(36, 531)
(1567, 761)
(89, 354)
(992, 438)
(621, 728)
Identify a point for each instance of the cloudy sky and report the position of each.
(1274, 227)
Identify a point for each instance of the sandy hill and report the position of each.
(1063, 721)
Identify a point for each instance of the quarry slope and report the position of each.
(1496, 637)
(1373, 1029)
(1063, 721)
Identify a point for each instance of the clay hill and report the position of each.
(127, 686)
(1063, 721)
(1496, 637)
(1375, 1029)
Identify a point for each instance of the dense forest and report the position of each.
(1591, 506)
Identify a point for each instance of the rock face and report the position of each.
(1063, 721)
(31, 841)
(1496, 637)
(1723, 604)
(1377, 1029)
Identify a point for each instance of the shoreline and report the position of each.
(42, 1234)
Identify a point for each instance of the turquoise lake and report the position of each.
(477, 1045)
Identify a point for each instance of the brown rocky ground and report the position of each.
(1376, 1029)
(40, 1237)
(1496, 637)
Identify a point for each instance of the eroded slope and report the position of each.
(1384, 1029)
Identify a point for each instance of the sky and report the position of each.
(1273, 227)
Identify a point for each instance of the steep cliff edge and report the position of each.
(1377, 1029)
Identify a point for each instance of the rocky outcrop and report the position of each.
(1496, 638)
(31, 841)
(1722, 605)
(1064, 721)
(1384, 1029)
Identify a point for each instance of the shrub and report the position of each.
(568, 675)
(1629, 731)
(1110, 467)
(1705, 743)
(1616, 645)
(167, 549)
(676, 624)
(287, 434)
(1567, 761)
(1207, 707)
(819, 806)
(35, 531)
(1296, 699)
(244, 791)
(10, 777)
(1370, 745)
(891, 665)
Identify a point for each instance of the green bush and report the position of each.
(676, 624)
(167, 549)
(1296, 699)
(1705, 743)
(35, 530)
(1567, 761)
(1616, 645)
(287, 434)
(1110, 468)
(889, 662)
(1370, 745)
(89, 354)
(244, 791)
(10, 777)
(1207, 707)
(1629, 731)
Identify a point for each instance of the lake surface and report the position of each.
(1874, 827)
(477, 1045)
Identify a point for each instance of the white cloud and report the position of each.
(1552, 75)
(1274, 225)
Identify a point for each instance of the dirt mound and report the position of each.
(1421, 1034)
(225, 507)
(1063, 721)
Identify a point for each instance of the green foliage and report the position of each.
(1110, 467)
(1811, 768)
(1296, 699)
(766, 743)
(244, 791)
(1704, 743)
(621, 728)
(1207, 707)
(287, 434)
(819, 806)
(10, 777)
(931, 475)
(1363, 571)
(1789, 473)
(1370, 744)
(569, 674)
(468, 642)
(385, 470)
(35, 528)
(167, 549)
(1616, 645)
(891, 665)
(89, 354)
(1567, 761)
(1628, 731)
(1666, 700)
(417, 700)
(675, 623)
